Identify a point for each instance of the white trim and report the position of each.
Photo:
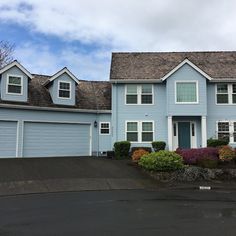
(58, 89)
(231, 129)
(204, 131)
(24, 107)
(170, 133)
(139, 130)
(21, 84)
(17, 64)
(17, 138)
(139, 96)
(187, 81)
(61, 72)
(100, 127)
(186, 61)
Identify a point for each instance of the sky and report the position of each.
(82, 34)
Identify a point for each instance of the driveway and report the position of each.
(37, 175)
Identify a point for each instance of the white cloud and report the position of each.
(121, 25)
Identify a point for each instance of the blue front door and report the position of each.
(184, 134)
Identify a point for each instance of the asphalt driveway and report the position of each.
(37, 175)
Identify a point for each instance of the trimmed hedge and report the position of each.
(158, 145)
(161, 161)
(192, 156)
(122, 149)
(216, 142)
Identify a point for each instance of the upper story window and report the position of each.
(139, 94)
(186, 92)
(64, 89)
(14, 84)
(226, 93)
(105, 128)
(139, 131)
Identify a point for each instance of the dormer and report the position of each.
(14, 82)
(62, 87)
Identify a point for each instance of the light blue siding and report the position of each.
(186, 73)
(56, 139)
(122, 113)
(11, 97)
(53, 89)
(8, 137)
(217, 112)
(22, 116)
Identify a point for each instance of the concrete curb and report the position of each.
(70, 185)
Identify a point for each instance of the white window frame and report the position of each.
(139, 96)
(231, 129)
(58, 89)
(230, 95)
(187, 81)
(100, 127)
(140, 126)
(21, 84)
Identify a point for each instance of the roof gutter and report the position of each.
(135, 81)
(58, 109)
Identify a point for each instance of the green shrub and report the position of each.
(216, 142)
(121, 149)
(158, 145)
(161, 161)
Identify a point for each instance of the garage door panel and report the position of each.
(56, 139)
(8, 134)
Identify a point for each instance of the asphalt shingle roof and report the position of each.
(141, 66)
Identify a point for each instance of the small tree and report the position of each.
(6, 53)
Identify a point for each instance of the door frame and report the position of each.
(193, 133)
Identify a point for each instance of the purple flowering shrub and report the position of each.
(194, 155)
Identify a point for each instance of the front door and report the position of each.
(184, 137)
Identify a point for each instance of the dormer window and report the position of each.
(14, 84)
(64, 89)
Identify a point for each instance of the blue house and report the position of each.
(182, 98)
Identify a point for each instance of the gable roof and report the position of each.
(59, 73)
(17, 64)
(155, 66)
(90, 95)
(186, 61)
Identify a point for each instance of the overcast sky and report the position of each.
(81, 34)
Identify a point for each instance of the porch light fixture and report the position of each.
(95, 124)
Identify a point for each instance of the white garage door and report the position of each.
(8, 132)
(56, 139)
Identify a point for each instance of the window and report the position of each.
(64, 89)
(147, 131)
(139, 94)
(222, 94)
(223, 131)
(139, 131)
(186, 92)
(104, 128)
(132, 131)
(14, 84)
(226, 93)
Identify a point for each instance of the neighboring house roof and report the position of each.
(17, 64)
(59, 73)
(90, 95)
(155, 66)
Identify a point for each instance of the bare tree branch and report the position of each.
(6, 53)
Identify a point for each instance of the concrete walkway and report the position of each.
(41, 175)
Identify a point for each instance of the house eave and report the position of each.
(135, 81)
(24, 107)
